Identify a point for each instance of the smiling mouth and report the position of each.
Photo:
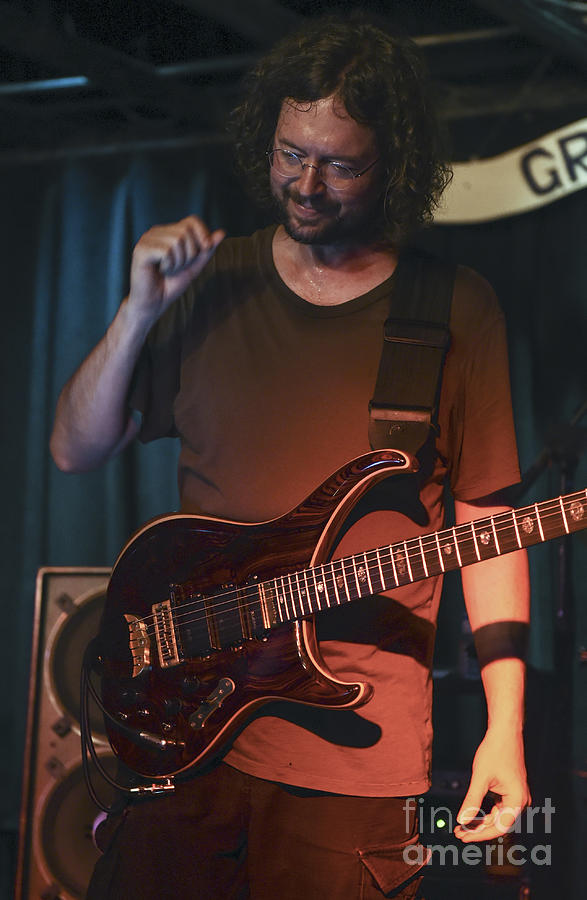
(309, 213)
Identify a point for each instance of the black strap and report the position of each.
(405, 402)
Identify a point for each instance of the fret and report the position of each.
(440, 559)
(423, 557)
(355, 574)
(448, 551)
(290, 614)
(477, 554)
(308, 591)
(431, 557)
(528, 526)
(401, 566)
(508, 539)
(497, 547)
(465, 544)
(564, 515)
(278, 601)
(515, 521)
(538, 520)
(484, 539)
(576, 509)
(300, 591)
(291, 593)
(317, 594)
(416, 559)
(341, 579)
(395, 578)
(381, 578)
(407, 557)
(334, 584)
(366, 562)
(375, 572)
(354, 593)
(324, 582)
(297, 610)
(457, 548)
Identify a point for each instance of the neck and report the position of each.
(331, 274)
(349, 256)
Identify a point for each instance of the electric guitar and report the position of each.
(206, 620)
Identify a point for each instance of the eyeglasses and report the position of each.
(333, 174)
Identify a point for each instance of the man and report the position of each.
(261, 354)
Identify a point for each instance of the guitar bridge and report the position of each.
(165, 635)
(139, 644)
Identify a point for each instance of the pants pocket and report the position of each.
(392, 866)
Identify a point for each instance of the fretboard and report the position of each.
(298, 594)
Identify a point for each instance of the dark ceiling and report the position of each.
(80, 77)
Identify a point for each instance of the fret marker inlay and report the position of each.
(527, 525)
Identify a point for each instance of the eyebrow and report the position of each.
(351, 161)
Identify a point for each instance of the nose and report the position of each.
(309, 181)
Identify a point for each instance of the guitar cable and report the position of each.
(88, 749)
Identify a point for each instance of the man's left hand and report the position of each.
(498, 767)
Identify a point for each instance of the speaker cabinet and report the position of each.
(56, 849)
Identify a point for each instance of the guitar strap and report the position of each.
(404, 406)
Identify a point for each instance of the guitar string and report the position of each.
(413, 554)
(503, 522)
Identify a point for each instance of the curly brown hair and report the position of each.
(380, 79)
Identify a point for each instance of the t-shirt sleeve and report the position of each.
(156, 378)
(484, 456)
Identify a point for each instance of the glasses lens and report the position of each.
(285, 163)
(335, 175)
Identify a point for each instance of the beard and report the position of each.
(331, 226)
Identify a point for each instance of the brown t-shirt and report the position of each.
(269, 395)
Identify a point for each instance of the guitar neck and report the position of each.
(298, 594)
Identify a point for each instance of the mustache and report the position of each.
(317, 202)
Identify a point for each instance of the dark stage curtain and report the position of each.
(67, 232)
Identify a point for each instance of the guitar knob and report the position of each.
(190, 686)
(128, 698)
(172, 706)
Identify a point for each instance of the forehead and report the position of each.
(324, 128)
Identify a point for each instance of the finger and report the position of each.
(471, 805)
(472, 830)
(192, 244)
(498, 821)
(203, 238)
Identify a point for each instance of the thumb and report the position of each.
(217, 237)
(471, 805)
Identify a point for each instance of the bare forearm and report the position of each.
(92, 420)
(497, 596)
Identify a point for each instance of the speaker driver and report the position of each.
(64, 830)
(75, 627)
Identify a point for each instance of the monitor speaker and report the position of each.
(56, 849)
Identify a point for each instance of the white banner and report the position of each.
(519, 180)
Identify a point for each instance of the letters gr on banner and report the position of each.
(517, 181)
